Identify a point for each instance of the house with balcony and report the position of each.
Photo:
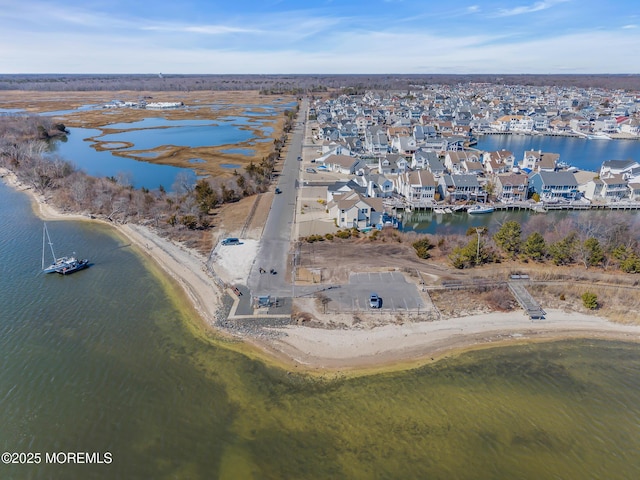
(614, 188)
(376, 141)
(512, 187)
(539, 161)
(377, 185)
(417, 187)
(459, 188)
(554, 186)
(631, 127)
(352, 210)
(605, 125)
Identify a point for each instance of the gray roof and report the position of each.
(557, 178)
(465, 180)
(618, 164)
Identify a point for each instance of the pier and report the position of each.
(540, 207)
(524, 298)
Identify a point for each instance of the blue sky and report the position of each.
(321, 36)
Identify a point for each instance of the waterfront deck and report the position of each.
(540, 207)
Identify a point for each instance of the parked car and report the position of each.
(231, 241)
(278, 190)
(311, 170)
(374, 301)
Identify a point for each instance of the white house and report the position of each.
(418, 187)
(539, 161)
(353, 210)
(342, 164)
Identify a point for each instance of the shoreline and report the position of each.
(381, 348)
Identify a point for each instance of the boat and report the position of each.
(62, 265)
(480, 209)
(599, 136)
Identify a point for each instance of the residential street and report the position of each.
(276, 237)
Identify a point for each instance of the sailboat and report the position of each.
(62, 265)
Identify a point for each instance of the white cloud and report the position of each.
(627, 27)
(536, 7)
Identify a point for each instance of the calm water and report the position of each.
(460, 222)
(579, 152)
(107, 360)
(153, 132)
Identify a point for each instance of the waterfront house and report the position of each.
(418, 188)
(512, 187)
(634, 191)
(353, 210)
(631, 127)
(614, 188)
(457, 188)
(554, 186)
(539, 161)
(626, 168)
(605, 125)
(592, 190)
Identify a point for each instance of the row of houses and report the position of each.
(415, 146)
(358, 201)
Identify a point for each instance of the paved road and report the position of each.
(276, 237)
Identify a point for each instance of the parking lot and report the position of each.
(396, 293)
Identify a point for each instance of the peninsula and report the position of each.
(313, 322)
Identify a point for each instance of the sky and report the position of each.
(320, 36)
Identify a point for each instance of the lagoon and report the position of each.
(78, 150)
(582, 153)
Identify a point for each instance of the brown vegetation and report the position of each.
(185, 213)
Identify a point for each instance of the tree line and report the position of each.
(601, 242)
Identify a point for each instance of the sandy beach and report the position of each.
(354, 348)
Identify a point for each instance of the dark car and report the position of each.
(231, 241)
(278, 190)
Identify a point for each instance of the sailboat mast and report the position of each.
(46, 232)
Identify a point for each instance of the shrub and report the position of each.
(422, 247)
(343, 234)
(329, 236)
(590, 300)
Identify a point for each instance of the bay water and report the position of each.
(113, 359)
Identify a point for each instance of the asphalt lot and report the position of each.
(391, 287)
